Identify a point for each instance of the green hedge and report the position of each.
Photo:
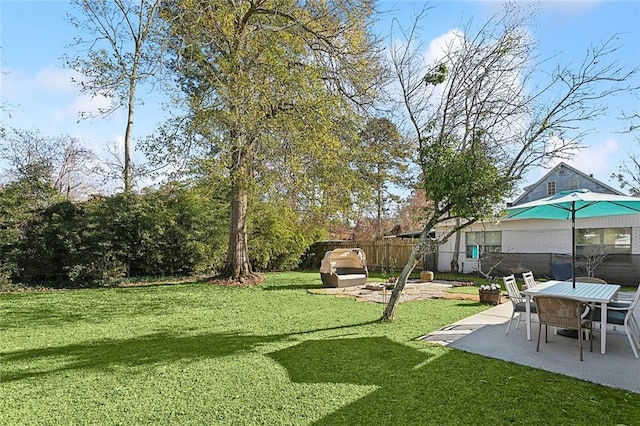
(176, 230)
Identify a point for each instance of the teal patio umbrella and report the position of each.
(578, 203)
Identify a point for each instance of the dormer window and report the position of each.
(551, 187)
(574, 183)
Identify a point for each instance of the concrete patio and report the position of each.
(484, 334)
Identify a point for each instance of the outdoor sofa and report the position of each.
(344, 268)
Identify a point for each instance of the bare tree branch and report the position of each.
(485, 112)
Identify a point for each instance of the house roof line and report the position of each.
(573, 169)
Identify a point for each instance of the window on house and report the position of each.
(488, 241)
(551, 187)
(574, 183)
(592, 241)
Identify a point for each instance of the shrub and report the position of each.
(277, 238)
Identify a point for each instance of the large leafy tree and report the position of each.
(384, 164)
(274, 90)
(488, 111)
(118, 49)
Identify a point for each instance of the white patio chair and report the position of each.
(517, 300)
(621, 313)
(528, 279)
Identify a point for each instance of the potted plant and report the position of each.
(490, 293)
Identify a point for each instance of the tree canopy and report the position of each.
(59, 161)
(384, 164)
(275, 89)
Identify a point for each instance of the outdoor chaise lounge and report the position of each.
(344, 268)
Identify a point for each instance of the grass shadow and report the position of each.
(146, 350)
(46, 315)
(40, 316)
(454, 388)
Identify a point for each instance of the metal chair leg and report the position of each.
(539, 330)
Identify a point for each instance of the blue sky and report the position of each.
(37, 89)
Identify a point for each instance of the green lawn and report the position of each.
(196, 353)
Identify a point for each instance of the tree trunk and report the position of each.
(455, 266)
(379, 206)
(419, 249)
(237, 266)
(128, 131)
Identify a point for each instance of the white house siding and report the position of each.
(544, 236)
(534, 236)
(537, 241)
(445, 251)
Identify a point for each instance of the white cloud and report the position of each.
(57, 85)
(434, 52)
(50, 88)
(82, 103)
(57, 80)
(423, 58)
(597, 158)
(117, 141)
(439, 46)
(49, 80)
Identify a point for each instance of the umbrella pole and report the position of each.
(573, 242)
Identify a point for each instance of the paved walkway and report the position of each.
(498, 315)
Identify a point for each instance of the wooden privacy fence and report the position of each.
(386, 254)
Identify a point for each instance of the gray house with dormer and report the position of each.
(562, 177)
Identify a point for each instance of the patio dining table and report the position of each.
(585, 292)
